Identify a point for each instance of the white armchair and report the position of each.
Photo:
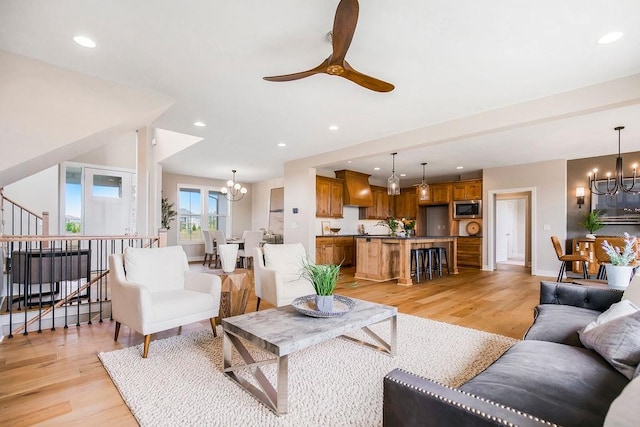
(153, 290)
(277, 271)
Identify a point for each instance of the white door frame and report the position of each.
(490, 226)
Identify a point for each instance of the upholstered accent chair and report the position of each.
(277, 271)
(153, 290)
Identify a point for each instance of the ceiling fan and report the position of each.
(344, 25)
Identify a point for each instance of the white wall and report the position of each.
(260, 197)
(549, 207)
(38, 193)
(120, 152)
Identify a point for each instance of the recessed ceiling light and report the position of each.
(84, 41)
(348, 161)
(333, 127)
(459, 167)
(199, 124)
(403, 174)
(610, 37)
(376, 169)
(282, 144)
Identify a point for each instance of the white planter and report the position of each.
(618, 276)
(228, 256)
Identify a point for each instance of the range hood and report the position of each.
(356, 191)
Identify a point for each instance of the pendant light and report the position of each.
(235, 191)
(423, 192)
(393, 183)
(615, 184)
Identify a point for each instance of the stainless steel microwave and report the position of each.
(467, 209)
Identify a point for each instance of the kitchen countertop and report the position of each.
(386, 236)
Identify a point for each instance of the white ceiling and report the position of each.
(447, 59)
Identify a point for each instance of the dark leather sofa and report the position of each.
(549, 378)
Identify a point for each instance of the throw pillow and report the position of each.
(617, 341)
(616, 310)
(623, 411)
(632, 293)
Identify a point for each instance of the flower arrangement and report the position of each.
(408, 224)
(624, 257)
(390, 222)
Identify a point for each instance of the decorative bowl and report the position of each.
(335, 230)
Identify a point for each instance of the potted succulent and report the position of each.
(592, 222)
(324, 278)
(621, 262)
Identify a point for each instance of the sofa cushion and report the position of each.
(157, 269)
(624, 410)
(285, 259)
(560, 323)
(616, 310)
(563, 384)
(618, 341)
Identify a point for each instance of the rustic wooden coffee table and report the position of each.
(283, 331)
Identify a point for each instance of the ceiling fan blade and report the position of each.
(344, 25)
(322, 68)
(365, 81)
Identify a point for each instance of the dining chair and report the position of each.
(564, 258)
(220, 239)
(209, 249)
(251, 240)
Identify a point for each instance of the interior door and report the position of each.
(108, 202)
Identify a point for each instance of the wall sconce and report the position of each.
(580, 196)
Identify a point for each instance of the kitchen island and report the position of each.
(382, 258)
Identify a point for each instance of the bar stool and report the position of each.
(427, 268)
(415, 260)
(440, 253)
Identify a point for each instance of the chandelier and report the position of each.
(393, 183)
(614, 184)
(235, 191)
(423, 192)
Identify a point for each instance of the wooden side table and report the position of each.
(236, 287)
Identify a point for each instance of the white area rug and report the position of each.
(332, 384)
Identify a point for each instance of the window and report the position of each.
(190, 214)
(73, 200)
(196, 212)
(107, 186)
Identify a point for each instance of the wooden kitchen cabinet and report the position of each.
(439, 194)
(381, 206)
(406, 204)
(467, 190)
(328, 197)
(470, 252)
(335, 250)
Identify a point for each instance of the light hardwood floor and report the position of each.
(56, 378)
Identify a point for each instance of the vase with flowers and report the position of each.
(392, 223)
(409, 225)
(622, 262)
